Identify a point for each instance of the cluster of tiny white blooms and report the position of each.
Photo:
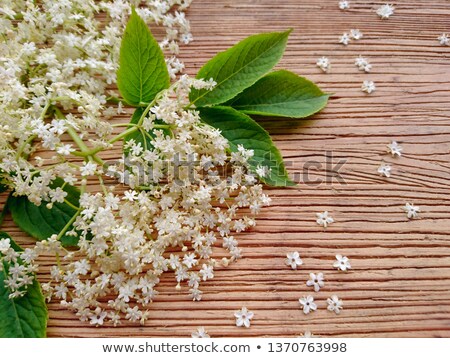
(363, 64)
(344, 5)
(200, 333)
(412, 212)
(57, 52)
(368, 87)
(19, 267)
(324, 64)
(385, 170)
(444, 39)
(243, 317)
(170, 219)
(293, 260)
(346, 37)
(385, 11)
(323, 219)
(394, 149)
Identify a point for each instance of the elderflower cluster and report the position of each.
(182, 193)
(57, 52)
(183, 202)
(18, 268)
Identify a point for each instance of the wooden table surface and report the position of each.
(399, 285)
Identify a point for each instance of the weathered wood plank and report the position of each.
(400, 282)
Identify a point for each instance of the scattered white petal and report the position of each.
(363, 64)
(334, 304)
(356, 34)
(293, 259)
(444, 39)
(200, 333)
(324, 219)
(368, 87)
(385, 169)
(344, 39)
(324, 64)
(307, 303)
(394, 149)
(385, 11)
(243, 317)
(308, 334)
(412, 212)
(342, 263)
(316, 281)
(344, 5)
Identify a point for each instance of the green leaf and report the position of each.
(238, 128)
(142, 69)
(23, 317)
(283, 94)
(41, 222)
(239, 67)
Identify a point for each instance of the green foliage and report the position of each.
(281, 94)
(41, 222)
(23, 317)
(142, 69)
(239, 67)
(238, 128)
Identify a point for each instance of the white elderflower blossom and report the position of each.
(385, 170)
(356, 34)
(344, 39)
(368, 86)
(323, 219)
(307, 304)
(308, 334)
(243, 317)
(342, 263)
(444, 39)
(324, 64)
(200, 333)
(293, 259)
(412, 212)
(334, 304)
(394, 149)
(385, 11)
(316, 281)
(363, 64)
(344, 4)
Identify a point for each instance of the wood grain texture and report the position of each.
(400, 282)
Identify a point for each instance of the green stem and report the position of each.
(68, 225)
(124, 134)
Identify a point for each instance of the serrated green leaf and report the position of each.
(24, 317)
(281, 94)
(142, 69)
(239, 67)
(41, 222)
(238, 128)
